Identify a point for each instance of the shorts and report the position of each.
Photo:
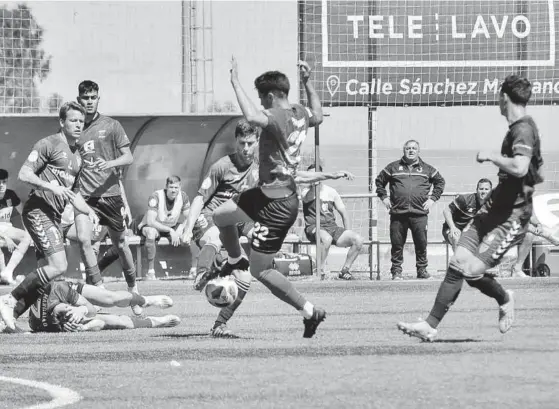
(110, 211)
(272, 218)
(492, 233)
(333, 230)
(43, 225)
(205, 223)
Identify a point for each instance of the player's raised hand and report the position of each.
(483, 156)
(234, 69)
(305, 70)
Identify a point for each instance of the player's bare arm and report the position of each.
(312, 96)
(303, 176)
(127, 210)
(28, 176)
(195, 209)
(126, 158)
(341, 209)
(151, 219)
(250, 111)
(516, 166)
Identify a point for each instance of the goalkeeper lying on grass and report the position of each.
(64, 306)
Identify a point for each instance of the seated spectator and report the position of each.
(330, 232)
(17, 241)
(165, 208)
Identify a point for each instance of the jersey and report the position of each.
(41, 317)
(522, 139)
(7, 204)
(327, 197)
(53, 161)
(102, 138)
(280, 144)
(463, 208)
(226, 179)
(168, 213)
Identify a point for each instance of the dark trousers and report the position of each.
(399, 225)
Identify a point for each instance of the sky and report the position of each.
(133, 49)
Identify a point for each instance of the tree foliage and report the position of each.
(23, 63)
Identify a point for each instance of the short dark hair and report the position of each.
(3, 174)
(68, 106)
(245, 128)
(484, 180)
(411, 141)
(172, 179)
(313, 166)
(272, 81)
(519, 89)
(87, 86)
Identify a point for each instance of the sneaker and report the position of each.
(167, 321)
(312, 323)
(16, 330)
(160, 301)
(150, 276)
(7, 279)
(397, 276)
(420, 330)
(227, 268)
(136, 309)
(220, 330)
(517, 272)
(506, 314)
(345, 275)
(203, 277)
(423, 275)
(7, 305)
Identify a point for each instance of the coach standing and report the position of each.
(410, 182)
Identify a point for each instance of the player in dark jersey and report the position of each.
(51, 169)
(15, 240)
(502, 220)
(274, 204)
(463, 209)
(104, 148)
(64, 306)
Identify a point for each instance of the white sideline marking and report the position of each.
(61, 396)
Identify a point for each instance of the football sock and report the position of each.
(141, 322)
(93, 275)
(243, 280)
(109, 257)
(31, 284)
(447, 295)
(206, 257)
(137, 299)
(282, 288)
(491, 288)
(130, 276)
(150, 251)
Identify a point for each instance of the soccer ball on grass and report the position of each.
(222, 291)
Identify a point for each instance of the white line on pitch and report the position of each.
(61, 396)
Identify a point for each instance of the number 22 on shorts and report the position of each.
(259, 234)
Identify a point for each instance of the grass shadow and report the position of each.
(198, 335)
(456, 341)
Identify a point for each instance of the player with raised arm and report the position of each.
(51, 169)
(104, 148)
(274, 205)
(502, 220)
(16, 240)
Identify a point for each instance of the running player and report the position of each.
(104, 148)
(63, 306)
(502, 220)
(16, 240)
(226, 178)
(165, 209)
(51, 169)
(274, 205)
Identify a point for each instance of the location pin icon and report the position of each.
(333, 83)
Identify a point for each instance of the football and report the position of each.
(222, 291)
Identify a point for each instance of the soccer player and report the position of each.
(104, 148)
(51, 169)
(502, 220)
(330, 232)
(462, 209)
(165, 209)
(273, 206)
(16, 240)
(63, 306)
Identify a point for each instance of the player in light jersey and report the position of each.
(274, 204)
(16, 240)
(166, 208)
(104, 148)
(51, 169)
(64, 306)
(503, 219)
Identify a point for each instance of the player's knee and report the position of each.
(325, 239)
(149, 233)
(358, 241)
(61, 266)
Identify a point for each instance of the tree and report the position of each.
(23, 63)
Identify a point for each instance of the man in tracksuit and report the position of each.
(410, 182)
